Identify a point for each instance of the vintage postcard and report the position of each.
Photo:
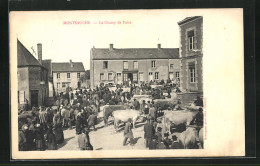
(127, 83)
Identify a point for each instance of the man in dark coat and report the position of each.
(148, 132)
(128, 133)
(39, 138)
(51, 139)
(199, 118)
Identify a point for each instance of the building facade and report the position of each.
(32, 77)
(67, 75)
(191, 53)
(136, 65)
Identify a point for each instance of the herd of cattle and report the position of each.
(188, 134)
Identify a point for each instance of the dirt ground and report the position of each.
(105, 137)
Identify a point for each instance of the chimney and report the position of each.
(110, 47)
(159, 46)
(39, 49)
(71, 64)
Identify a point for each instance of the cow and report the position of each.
(189, 138)
(108, 110)
(65, 113)
(124, 115)
(177, 117)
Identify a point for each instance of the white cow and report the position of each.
(124, 115)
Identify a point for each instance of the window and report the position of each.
(21, 97)
(58, 85)
(105, 64)
(156, 75)
(135, 77)
(68, 75)
(177, 74)
(110, 76)
(125, 65)
(135, 65)
(191, 39)
(78, 75)
(192, 72)
(118, 76)
(153, 64)
(171, 66)
(150, 73)
(58, 75)
(125, 77)
(102, 76)
(141, 76)
(63, 84)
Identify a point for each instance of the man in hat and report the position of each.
(198, 102)
(175, 144)
(92, 120)
(153, 112)
(199, 118)
(179, 104)
(22, 138)
(128, 133)
(148, 132)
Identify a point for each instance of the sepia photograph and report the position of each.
(132, 83)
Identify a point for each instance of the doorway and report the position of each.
(34, 98)
(79, 84)
(130, 76)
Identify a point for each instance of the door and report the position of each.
(34, 98)
(79, 84)
(171, 76)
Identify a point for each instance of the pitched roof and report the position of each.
(187, 19)
(24, 57)
(66, 67)
(134, 53)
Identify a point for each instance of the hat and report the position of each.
(129, 120)
(159, 128)
(166, 134)
(38, 125)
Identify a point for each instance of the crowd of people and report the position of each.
(43, 129)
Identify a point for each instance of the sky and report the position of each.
(62, 42)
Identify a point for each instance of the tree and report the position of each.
(85, 76)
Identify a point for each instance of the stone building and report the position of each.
(67, 75)
(32, 77)
(116, 66)
(191, 53)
